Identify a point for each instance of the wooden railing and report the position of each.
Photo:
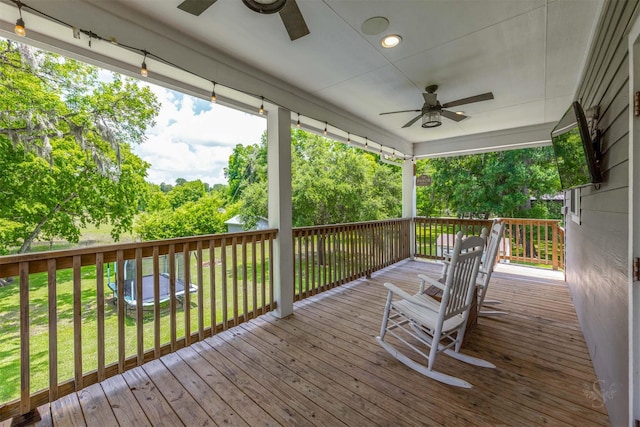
(530, 241)
(66, 335)
(533, 241)
(330, 255)
(61, 334)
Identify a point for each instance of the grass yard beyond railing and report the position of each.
(63, 328)
(528, 241)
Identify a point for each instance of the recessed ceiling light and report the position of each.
(374, 26)
(392, 40)
(460, 113)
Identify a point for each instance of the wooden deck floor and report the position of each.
(322, 366)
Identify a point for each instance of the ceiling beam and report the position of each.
(507, 139)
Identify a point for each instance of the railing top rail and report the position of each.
(350, 224)
(531, 220)
(479, 221)
(37, 256)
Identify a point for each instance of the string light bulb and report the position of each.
(348, 137)
(366, 142)
(19, 28)
(325, 128)
(143, 68)
(261, 110)
(213, 93)
(298, 122)
(393, 154)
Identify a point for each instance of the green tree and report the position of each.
(331, 183)
(247, 165)
(495, 184)
(203, 216)
(68, 134)
(187, 191)
(58, 199)
(155, 199)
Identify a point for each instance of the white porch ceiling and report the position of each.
(529, 53)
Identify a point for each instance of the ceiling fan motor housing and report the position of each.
(431, 116)
(265, 6)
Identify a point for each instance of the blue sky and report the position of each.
(193, 138)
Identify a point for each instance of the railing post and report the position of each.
(554, 245)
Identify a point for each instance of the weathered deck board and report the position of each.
(95, 407)
(322, 366)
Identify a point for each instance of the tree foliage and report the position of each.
(493, 184)
(205, 215)
(64, 140)
(56, 200)
(331, 182)
(247, 165)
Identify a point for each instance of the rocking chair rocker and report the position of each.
(417, 320)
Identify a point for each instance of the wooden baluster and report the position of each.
(554, 239)
(531, 243)
(139, 313)
(245, 288)
(263, 274)
(212, 286)
(25, 367)
(186, 297)
(223, 258)
(156, 301)
(297, 250)
(254, 275)
(53, 328)
(121, 308)
(77, 321)
(234, 275)
(100, 315)
(172, 297)
(200, 290)
(314, 246)
(271, 273)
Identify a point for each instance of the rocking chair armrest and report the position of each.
(404, 295)
(430, 281)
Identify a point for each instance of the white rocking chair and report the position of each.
(487, 263)
(440, 325)
(486, 269)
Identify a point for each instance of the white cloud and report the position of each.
(191, 141)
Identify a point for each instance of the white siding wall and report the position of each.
(597, 248)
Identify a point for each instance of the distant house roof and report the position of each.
(549, 197)
(236, 220)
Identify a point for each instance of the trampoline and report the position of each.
(148, 297)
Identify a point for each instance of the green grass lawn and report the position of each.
(91, 236)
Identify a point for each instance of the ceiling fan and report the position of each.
(288, 9)
(432, 109)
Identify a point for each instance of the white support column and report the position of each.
(409, 199)
(280, 207)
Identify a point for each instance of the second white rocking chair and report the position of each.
(417, 320)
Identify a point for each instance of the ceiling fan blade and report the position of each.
(195, 7)
(403, 111)
(293, 20)
(483, 97)
(412, 121)
(452, 116)
(430, 98)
